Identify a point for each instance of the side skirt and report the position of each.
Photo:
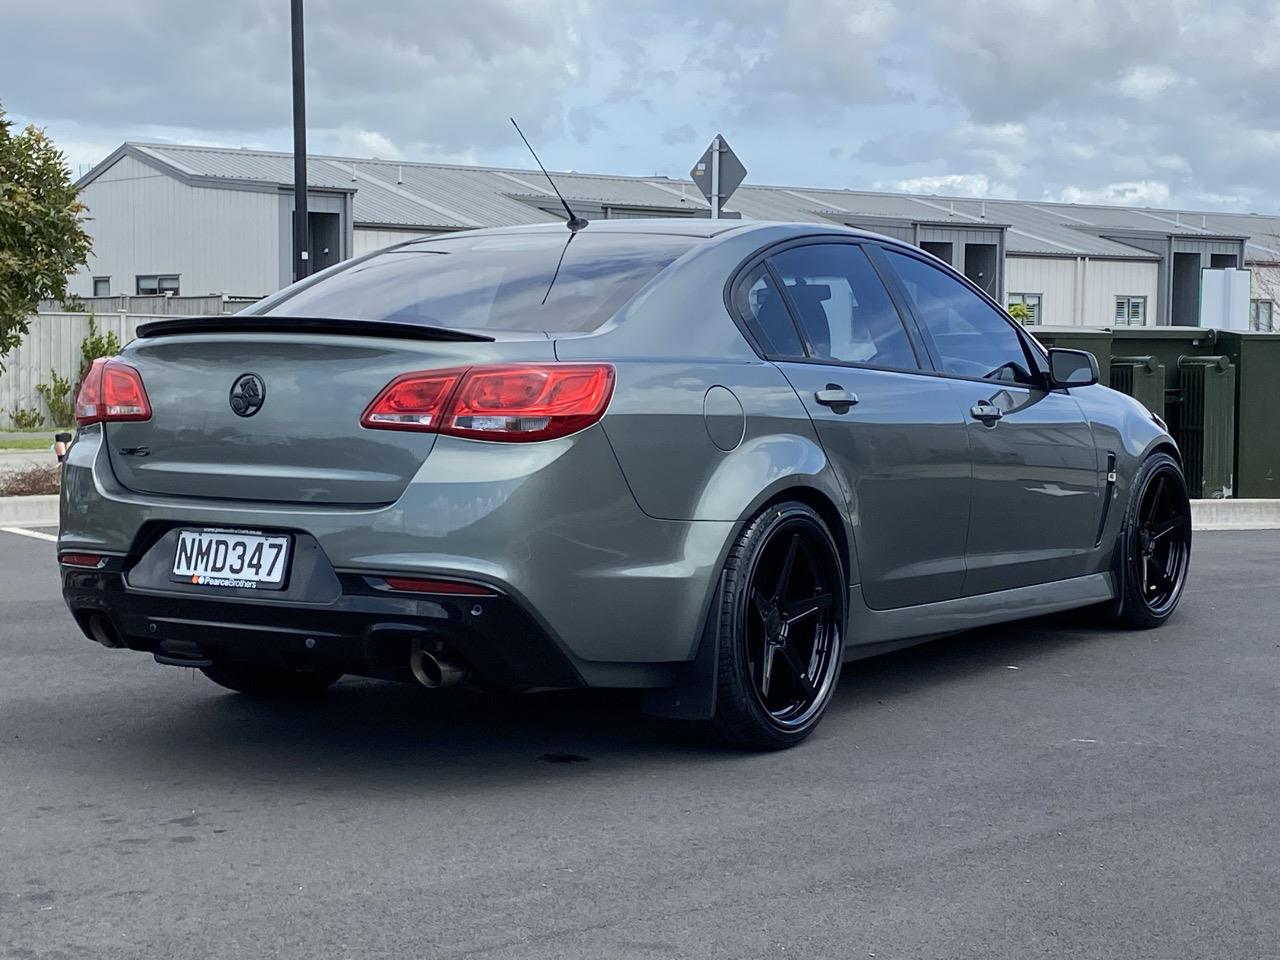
(878, 631)
(693, 696)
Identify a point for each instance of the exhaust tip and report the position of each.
(103, 632)
(434, 670)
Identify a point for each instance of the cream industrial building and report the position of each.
(190, 220)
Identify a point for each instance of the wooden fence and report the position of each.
(53, 344)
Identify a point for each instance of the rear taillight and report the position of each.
(111, 391)
(90, 560)
(414, 401)
(501, 402)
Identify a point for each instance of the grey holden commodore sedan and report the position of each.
(713, 460)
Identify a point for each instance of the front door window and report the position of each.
(971, 337)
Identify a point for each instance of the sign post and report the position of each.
(715, 179)
(301, 267)
(717, 174)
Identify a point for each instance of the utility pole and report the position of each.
(301, 262)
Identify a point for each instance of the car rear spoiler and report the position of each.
(236, 323)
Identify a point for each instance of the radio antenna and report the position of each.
(575, 222)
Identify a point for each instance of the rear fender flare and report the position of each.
(693, 696)
(770, 468)
(755, 471)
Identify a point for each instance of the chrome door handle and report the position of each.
(836, 397)
(988, 413)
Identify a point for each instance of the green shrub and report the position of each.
(26, 418)
(96, 345)
(58, 398)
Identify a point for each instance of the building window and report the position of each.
(1030, 315)
(102, 286)
(1131, 311)
(162, 284)
(1261, 314)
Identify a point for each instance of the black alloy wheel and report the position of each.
(1157, 543)
(782, 630)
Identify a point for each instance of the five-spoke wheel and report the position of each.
(1155, 542)
(782, 628)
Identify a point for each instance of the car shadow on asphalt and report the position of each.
(952, 657)
(366, 733)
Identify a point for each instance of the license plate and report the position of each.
(231, 558)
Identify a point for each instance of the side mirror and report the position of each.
(1072, 368)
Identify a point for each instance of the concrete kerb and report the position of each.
(1235, 514)
(39, 511)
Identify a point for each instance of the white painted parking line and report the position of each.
(33, 534)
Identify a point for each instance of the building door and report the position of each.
(940, 249)
(1186, 290)
(1036, 494)
(324, 240)
(981, 266)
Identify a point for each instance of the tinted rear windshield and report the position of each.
(502, 282)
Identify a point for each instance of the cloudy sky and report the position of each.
(1157, 102)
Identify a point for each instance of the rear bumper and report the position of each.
(617, 595)
(363, 630)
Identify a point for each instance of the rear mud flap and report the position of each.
(694, 696)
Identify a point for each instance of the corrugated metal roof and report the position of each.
(766, 204)
(449, 196)
(251, 165)
(480, 194)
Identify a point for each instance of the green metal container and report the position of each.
(1256, 357)
(1206, 431)
(1232, 452)
(1142, 378)
(1165, 346)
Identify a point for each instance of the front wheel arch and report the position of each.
(1165, 445)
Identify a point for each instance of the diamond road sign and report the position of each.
(732, 172)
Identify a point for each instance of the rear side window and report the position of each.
(556, 282)
(766, 316)
(971, 337)
(843, 307)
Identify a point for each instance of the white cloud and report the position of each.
(1146, 82)
(1095, 99)
(349, 142)
(1144, 193)
(951, 184)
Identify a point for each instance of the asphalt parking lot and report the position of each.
(1046, 789)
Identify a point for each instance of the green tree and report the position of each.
(42, 235)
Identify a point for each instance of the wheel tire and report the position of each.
(262, 680)
(746, 715)
(1153, 570)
